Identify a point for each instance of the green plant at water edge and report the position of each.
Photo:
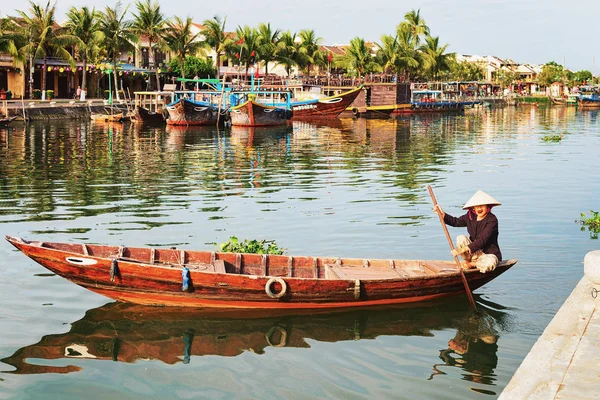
(552, 138)
(592, 223)
(234, 245)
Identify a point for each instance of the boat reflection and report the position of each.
(126, 333)
(246, 136)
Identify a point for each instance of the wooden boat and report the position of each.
(107, 117)
(588, 103)
(430, 101)
(7, 120)
(173, 277)
(326, 107)
(589, 98)
(128, 333)
(145, 115)
(558, 101)
(252, 113)
(149, 105)
(186, 112)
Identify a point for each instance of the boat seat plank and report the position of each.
(440, 267)
(330, 272)
(333, 271)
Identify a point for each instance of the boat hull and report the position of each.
(229, 280)
(7, 121)
(185, 112)
(107, 117)
(144, 115)
(329, 107)
(252, 113)
(429, 108)
(589, 104)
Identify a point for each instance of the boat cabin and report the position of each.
(589, 92)
(426, 96)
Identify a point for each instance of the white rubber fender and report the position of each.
(269, 285)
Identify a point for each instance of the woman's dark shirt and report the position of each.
(483, 234)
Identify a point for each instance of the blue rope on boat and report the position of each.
(187, 346)
(114, 270)
(185, 277)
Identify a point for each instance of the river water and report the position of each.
(352, 188)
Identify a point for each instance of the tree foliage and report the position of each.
(216, 38)
(505, 78)
(465, 71)
(551, 72)
(193, 66)
(180, 40)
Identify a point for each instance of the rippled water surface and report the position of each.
(354, 188)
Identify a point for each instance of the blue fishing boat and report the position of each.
(589, 97)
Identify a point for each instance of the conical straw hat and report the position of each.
(480, 198)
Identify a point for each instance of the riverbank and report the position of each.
(39, 110)
(562, 364)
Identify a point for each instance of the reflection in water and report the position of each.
(127, 333)
(473, 349)
(350, 186)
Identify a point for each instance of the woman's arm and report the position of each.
(456, 222)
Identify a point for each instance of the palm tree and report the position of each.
(249, 39)
(216, 37)
(42, 36)
(387, 54)
(150, 22)
(16, 39)
(119, 35)
(409, 58)
(179, 39)
(288, 51)
(415, 26)
(358, 56)
(267, 48)
(310, 54)
(84, 24)
(435, 59)
(6, 34)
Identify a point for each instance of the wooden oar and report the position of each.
(462, 274)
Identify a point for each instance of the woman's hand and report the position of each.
(459, 250)
(438, 210)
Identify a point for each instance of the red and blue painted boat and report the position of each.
(324, 107)
(187, 112)
(185, 278)
(253, 113)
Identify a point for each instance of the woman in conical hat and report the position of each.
(480, 249)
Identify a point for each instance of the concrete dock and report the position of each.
(59, 108)
(564, 363)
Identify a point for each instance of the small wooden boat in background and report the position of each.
(252, 113)
(177, 277)
(187, 112)
(107, 117)
(145, 115)
(7, 120)
(149, 106)
(588, 103)
(325, 107)
(589, 98)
